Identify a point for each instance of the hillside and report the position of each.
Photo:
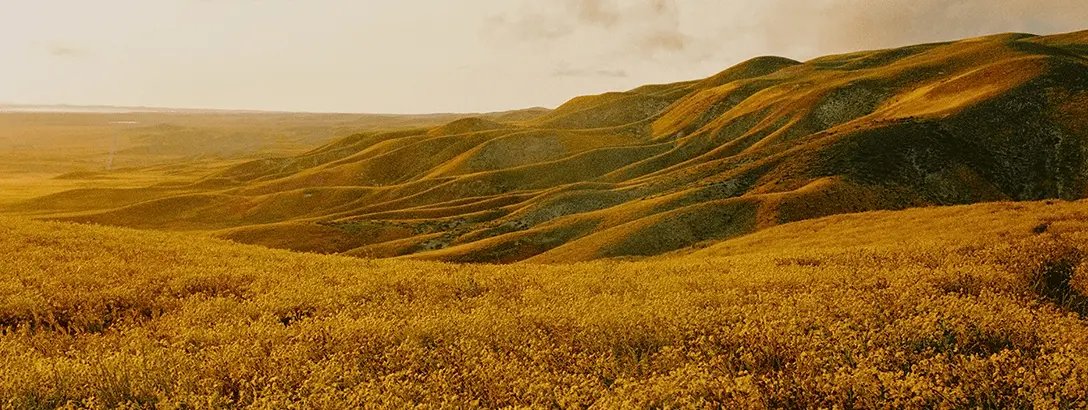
(660, 168)
(958, 307)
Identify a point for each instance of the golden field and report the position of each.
(971, 306)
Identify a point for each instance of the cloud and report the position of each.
(575, 72)
(626, 28)
(524, 27)
(817, 27)
(717, 31)
(663, 41)
(64, 51)
(598, 12)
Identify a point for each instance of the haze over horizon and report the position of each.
(420, 56)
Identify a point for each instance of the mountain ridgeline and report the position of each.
(661, 168)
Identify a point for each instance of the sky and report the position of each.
(419, 56)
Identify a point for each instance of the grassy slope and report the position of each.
(766, 142)
(936, 307)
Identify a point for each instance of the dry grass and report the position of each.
(103, 317)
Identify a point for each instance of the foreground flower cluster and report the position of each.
(103, 317)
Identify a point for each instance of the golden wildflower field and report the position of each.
(971, 306)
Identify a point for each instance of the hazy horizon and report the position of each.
(419, 56)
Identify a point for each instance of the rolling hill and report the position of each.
(660, 168)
